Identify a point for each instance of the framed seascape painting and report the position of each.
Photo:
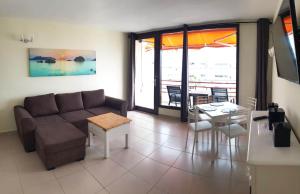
(61, 62)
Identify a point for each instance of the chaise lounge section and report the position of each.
(56, 126)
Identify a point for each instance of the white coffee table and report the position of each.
(108, 126)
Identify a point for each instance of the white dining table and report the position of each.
(217, 111)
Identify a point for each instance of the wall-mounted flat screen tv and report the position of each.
(285, 42)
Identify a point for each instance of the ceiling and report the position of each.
(138, 15)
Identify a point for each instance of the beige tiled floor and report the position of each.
(155, 163)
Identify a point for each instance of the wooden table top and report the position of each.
(108, 121)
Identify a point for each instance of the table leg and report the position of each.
(213, 132)
(106, 147)
(217, 139)
(126, 140)
(89, 139)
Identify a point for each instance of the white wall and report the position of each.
(248, 40)
(287, 95)
(15, 83)
(169, 112)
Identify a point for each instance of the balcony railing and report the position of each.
(198, 87)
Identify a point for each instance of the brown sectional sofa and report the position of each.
(56, 126)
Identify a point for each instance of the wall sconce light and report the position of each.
(26, 38)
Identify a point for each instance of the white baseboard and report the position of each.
(7, 130)
(169, 112)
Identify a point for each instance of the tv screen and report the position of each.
(284, 42)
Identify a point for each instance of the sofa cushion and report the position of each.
(58, 137)
(103, 110)
(93, 98)
(49, 120)
(69, 102)
(41, 105)
(78, 118)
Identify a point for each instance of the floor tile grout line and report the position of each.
(126, 171)
(154, 185)
(200, 175)
(45, 181)
(112, 181)
(19, 180)
(169, 167)
(164, 145)
(147, 129)
(60, 185)
(86, 169)
(147, 156)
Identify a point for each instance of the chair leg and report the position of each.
(217, 134)
(207, 136)
(194, 143)
(235, 142)
(187, 137)
(230, 153)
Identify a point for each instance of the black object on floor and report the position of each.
(260, 118)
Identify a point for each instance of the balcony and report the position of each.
(199, 88)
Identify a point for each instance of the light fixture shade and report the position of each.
(26, 38)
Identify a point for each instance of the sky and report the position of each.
(61, 54)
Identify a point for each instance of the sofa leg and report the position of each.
(82, 158)
(29, 149)
(51, 168)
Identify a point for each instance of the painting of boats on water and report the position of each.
(61, 62)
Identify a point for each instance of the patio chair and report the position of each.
(219, 94)
(174, 93)
(201, 99)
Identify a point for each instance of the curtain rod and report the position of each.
(200, 25)
(194, 26)
(253, 22)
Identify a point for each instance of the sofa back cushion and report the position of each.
(69, 102)
(41, 105)
(92, 99)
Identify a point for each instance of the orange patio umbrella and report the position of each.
(287, 21)
(197, 39)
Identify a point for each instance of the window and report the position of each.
(212, 55)
(144, 77)
(171, 68)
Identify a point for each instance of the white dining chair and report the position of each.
(202, 116)
(251, 105)
(252, 102)
(231, 129)
(196, 125)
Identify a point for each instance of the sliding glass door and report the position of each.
(210, 61)
(212, 56)
(144, 74)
